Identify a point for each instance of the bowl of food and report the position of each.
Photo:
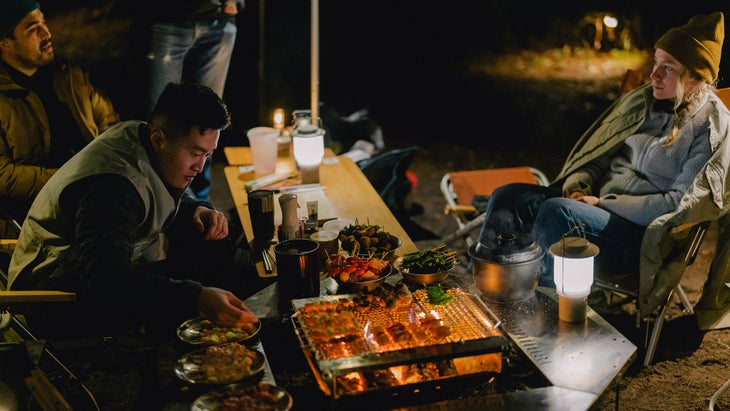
(353, 273)
(366, 240)
(426, 266)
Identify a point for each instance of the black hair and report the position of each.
(181, 107)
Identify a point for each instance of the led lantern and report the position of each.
(308, 141)
(573, 275)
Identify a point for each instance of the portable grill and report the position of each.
(354, 349)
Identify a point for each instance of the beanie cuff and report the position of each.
(13, 12)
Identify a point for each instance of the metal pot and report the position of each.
(507, 270)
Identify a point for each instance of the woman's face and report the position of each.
(665, 75)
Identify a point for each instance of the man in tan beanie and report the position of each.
(657, 158)
(48, 108)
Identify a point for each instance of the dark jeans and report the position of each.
(546, 216)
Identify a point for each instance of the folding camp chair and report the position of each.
(460, 187)
(687, 240)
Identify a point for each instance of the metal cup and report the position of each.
(261, 211)
(297, 266)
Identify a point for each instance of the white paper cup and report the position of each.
(328, 243)
(264, 142)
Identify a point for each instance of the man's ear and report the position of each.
(157, 138)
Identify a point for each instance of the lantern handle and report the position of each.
(576, 227)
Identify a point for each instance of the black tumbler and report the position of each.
(261, 211)
(297, 266)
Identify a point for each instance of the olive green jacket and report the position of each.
(707, 199)
(25, 138)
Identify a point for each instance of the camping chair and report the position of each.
(460, 187)
(625, 286)
(387, 174)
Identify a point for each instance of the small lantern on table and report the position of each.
(573, 274)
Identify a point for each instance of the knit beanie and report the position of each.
(697, 44)
(12, 12)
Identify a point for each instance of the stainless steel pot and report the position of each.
(505, 272)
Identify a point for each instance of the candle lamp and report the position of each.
(573, 275)
(308, 141)
(279, 119)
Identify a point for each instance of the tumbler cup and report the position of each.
(261, 211)
(297, 267)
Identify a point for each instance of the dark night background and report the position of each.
(406, 61)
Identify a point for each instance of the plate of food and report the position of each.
(200, 331)
(220, 364)
(241, 396)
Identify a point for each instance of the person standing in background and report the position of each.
(189, 42)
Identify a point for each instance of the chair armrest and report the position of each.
(680, 228)
(33, 296)
(459, 209)
(8, 243)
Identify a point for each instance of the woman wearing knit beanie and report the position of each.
(655, 159)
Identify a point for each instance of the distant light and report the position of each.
(610, 21)
(279, 118)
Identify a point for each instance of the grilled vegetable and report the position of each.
(437, 295)
(429, 260)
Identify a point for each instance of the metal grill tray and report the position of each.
(472, 332)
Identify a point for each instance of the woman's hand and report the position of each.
(212, 223)
(591, 200)
(224, 308)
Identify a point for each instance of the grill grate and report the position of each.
(340, 335)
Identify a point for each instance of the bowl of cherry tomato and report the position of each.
(357, 273)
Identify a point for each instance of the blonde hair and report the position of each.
(687, 101)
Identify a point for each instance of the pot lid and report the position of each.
(507, 248)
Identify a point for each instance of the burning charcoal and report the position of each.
(381, 378)
(413, 374)
(447, 368)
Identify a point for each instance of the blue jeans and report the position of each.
(546, 216)
(198, 52)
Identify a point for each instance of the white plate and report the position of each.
(245, 396)
(337, 225)
(220, 364)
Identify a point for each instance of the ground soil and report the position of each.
(536, 128)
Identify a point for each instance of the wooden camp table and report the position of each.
(346, 193)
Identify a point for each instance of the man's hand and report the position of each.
(212, 223)
(224, 308)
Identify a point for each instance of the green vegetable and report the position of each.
(437, 295)
(427, 261)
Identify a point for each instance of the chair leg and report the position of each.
(655, 332)
(688, 309)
